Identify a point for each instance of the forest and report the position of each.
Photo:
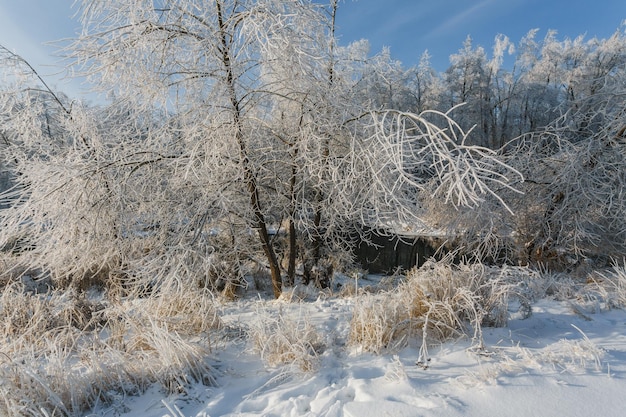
(241, 146)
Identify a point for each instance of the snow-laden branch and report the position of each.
(463, 173)
(385, 170)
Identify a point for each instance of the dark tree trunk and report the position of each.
(250, 179)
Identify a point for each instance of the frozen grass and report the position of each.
(64, 353)
(586, 293)
(285, 341)
(610, 287)
(435, 303)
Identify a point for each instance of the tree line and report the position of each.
(240, 138)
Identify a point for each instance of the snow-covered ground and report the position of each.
(563, 360)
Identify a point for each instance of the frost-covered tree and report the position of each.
(426, 86)
(559, 113)
(581, 157)
(232, 121)
(210, 65)
(468, 81)
(65, 193)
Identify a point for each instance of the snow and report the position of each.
(560, 361)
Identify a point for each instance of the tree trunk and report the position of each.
(293, 241)
(249, 177)
(293, 253)
(317, 219)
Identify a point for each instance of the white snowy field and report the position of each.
(568, 358)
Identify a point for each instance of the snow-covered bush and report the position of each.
(571, 209)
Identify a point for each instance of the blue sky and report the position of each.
(407, 27)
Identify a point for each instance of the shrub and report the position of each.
(436, 302)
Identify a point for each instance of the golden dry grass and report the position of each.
(63, 353)
(282, 340)
(436, 302)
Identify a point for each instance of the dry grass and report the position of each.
(281, 340)
(185, 311)
(604, 290)
(62, 353)
(436, 302)
(375, 321)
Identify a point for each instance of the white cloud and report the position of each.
(451, 24)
